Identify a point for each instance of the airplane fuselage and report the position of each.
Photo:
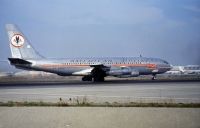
(118, 66)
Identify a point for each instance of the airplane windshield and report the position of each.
(165, 62)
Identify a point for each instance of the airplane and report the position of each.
(24, 56)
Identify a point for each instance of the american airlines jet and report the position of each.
(24, 56)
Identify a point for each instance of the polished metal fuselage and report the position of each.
(84, 66)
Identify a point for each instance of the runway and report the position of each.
(118, 91)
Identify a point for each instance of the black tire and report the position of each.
(154, 77)
(87, 78)
(99, 79)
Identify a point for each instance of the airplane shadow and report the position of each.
(81, 83)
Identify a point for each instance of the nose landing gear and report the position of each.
(153, 77)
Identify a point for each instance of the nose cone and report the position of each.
(164, 67)
(168, 67)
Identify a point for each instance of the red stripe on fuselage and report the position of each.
(149, 66)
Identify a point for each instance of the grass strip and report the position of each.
(91, 104)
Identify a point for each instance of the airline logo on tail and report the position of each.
(17, 40)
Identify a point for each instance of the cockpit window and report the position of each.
(165, 62)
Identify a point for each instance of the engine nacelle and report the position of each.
(123, 73)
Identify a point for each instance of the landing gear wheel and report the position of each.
(99, 79)
(87, 78)
(154, 77)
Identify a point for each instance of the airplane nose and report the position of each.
(165, 67)
(168, 67)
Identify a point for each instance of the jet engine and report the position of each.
(123, 73)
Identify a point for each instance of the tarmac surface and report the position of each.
(120, 91)
(111, 91)
(98, 117)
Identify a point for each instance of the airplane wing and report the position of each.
(84, 72)
(94, 69)
(99, 65)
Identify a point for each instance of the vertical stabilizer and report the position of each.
(19, 45)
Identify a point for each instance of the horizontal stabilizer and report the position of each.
(17, 61)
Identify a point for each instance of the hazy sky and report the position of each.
(168, 29)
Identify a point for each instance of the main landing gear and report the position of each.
(87, 78)
(97, 78)
(98, 75)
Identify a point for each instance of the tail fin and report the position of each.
(19, 45)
